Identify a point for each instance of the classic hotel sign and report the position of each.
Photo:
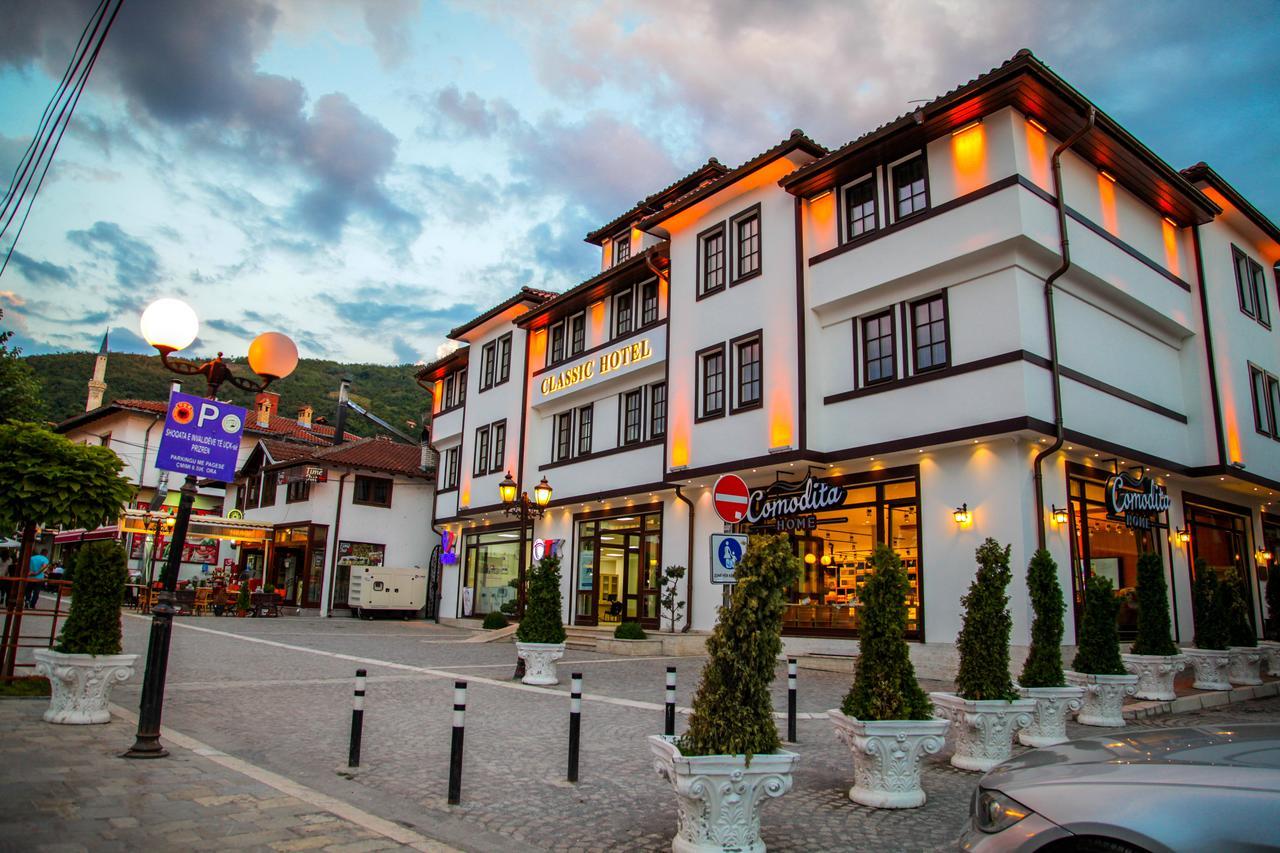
(614, 359)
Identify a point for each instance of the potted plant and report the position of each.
(985, 711)
(540, 637)
(1209, 656)
(1270, 646)
(886, 718)
(669, 601)
(1042, 678)
(1242, 642)
(87, 662)
(243, 601)
(1154, 657)
(730, 759)
(1097, 666)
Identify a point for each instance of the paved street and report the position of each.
(275, 696)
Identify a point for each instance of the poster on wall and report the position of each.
(194, 550)
(586, 565)
(467, 594)
(361, 553)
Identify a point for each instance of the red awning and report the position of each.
(111, 531)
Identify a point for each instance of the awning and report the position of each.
(202, 527)
(110, 531)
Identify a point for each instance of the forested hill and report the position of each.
(388, 392)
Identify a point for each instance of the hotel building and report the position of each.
(895, 321)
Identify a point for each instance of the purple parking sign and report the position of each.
(201, 437)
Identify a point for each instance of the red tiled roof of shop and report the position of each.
(654, 202)
(286, 451)
(378, 454)
(525, 294)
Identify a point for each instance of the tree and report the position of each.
(1155, 635)
(541, 621)
(984, 636)
(885, 686)
(1272, 630)
(1099, 643)
(732, 709)
(1235, 612)
(668, 598)
(1043, 667)
(1211, 625)
(93, 625)
(20, 395)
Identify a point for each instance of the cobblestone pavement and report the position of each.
(277, 693)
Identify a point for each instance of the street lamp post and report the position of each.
(515, 501)
(170, 325)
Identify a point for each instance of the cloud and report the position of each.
(136, 263)
(230, 327)
(40, 272)
(399, 305)
(454, 114)
(457, 200)
(405, 352)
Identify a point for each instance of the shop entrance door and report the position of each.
(618, 573)
(289, 573)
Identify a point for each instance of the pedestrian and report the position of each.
(6, 569)
(39, 562)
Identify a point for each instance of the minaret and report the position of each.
(98, 384)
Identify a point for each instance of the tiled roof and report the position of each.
(286, 451)
(525, 294)
(378, 454)
(635, 262)
(460, 354)
(650, 203)
(1202, 171)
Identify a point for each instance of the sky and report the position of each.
(365, 176)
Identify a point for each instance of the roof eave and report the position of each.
(1204, 172)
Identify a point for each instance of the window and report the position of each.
(487, 365)
(621, 247)
(749, 364)
(447, 476)
(910, 187)
(860, 208)
(563, 436)
(498, 438)
(1251, 285)
(746, 241)
(929, 333)
(711, 378)
(585, 417)
(657, 410)
(371, 491)
(480, 464)
(556, 350)
(254, 493)
(623, 314)
(1266, 402)
(297, 491)
(449, 393)
(649, 302)
(877, 348)
(462, 386)
(577, 333)
(711, 260)
(504, 358)
(632, 404)
(268, 489)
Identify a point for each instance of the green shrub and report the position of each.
(1272, 629)
(1211, 624)
(93, 624)
(1098, 646)
(243, 601)
(629, 631)
(508, 607)
(541, 621)
(1235, 611)
(984, 636)
(1043, 667)
(732, 709)
(1155, 635)
(494, 620)
(885, 686)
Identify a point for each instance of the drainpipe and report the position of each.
(426, 440)
(1056, 370)
(326, 599)
(688, 577)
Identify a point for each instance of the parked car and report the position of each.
(1177, 789)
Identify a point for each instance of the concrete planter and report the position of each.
(1103, 697)
(80, 685)
(1244, 665)
(1155, 674)
(1271, 654)
(886, 757)
(1049, 720)
(719, 796)
(643, 648)
(540, 661)
(1211, 668)
(982, 730)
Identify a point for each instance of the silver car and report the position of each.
(1213, 788)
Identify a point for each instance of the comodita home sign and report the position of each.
(791, 506)
(1136, 502)
(608, 362)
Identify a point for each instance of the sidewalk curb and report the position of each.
(1201, 701)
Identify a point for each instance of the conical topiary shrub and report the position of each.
(1272, 629)
(732, 709)
(541, 621)
(1098, 651)
(93, 623)
(1043, 667)
(984, 636)
(1155, 633)
(885, 686)
(1235, 611)
(1212, 631)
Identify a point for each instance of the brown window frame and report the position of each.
(369, 485)
(922, 159)
(624, 414)
(1266, 417)
(863, 340)
(647, 289)
(577, 334)
(620, 241)
(269, 488)
(625, 298)
(1253, 284)
(657, 410)
(715, 231)
(297, 491)
(447, 474)
(557, 333)
(586, 429)
(480, 454)
(735, 348)
(915, 328)
(498, 444)
(705, 413)
(562, 436)
(735, 227)
(847, 218)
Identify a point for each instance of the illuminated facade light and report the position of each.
(1110, 177)
(962, 514)
(1059, 515)
(967, 127)
(1184, 536)
(1037, 125)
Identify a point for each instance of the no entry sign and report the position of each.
(730, 498)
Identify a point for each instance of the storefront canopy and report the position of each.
(66, 537)
(202, 526)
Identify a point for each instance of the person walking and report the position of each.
(39, 562)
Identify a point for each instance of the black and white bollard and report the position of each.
(357, 721)
(575, 723)
(670, 728)
(791, 700)
(455, 752)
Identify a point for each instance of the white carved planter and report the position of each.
(1049, 720)
(719, 796)
(886, 757)
(1103, 697)
(80, 685)
(1245, 664)
(1271, 654)
(1211, 668)
(1155, 674)
(540, 661)
(983, 730)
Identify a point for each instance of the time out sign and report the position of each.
(614, 359)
